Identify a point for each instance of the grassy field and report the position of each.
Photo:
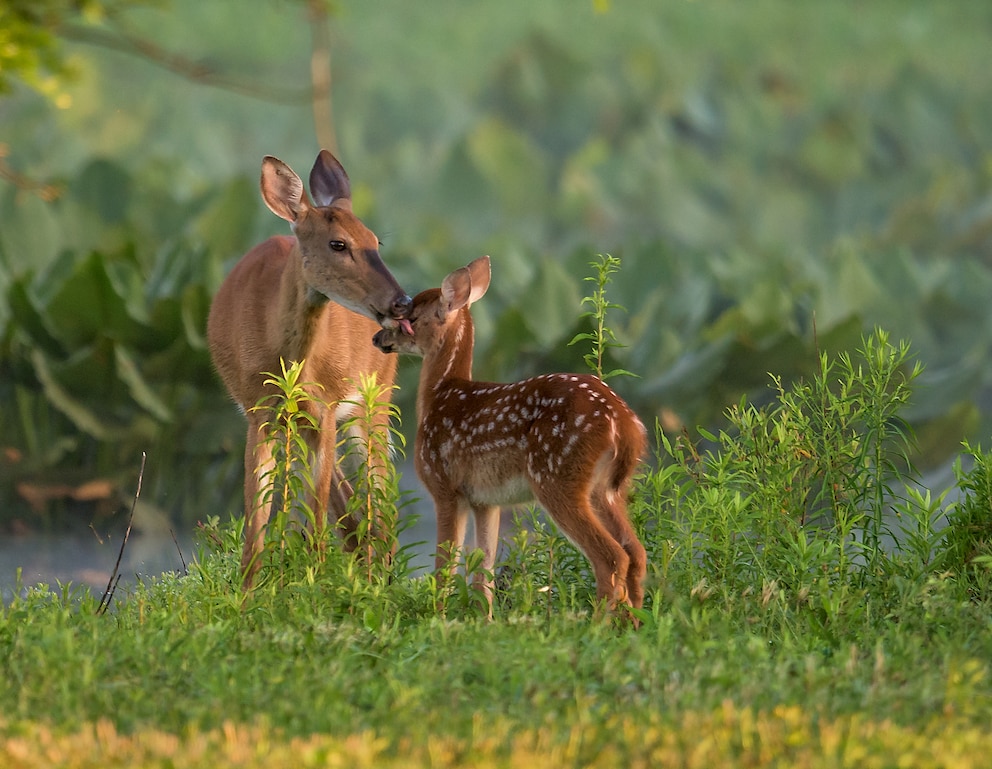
(329, 671)
(808, 605)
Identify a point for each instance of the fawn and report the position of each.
(565, 440)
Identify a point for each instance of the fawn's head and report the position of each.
(436, 309)
(340, 255)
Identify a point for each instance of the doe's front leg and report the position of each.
(258, 501)
(325, 497)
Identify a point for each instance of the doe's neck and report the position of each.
(300, 308)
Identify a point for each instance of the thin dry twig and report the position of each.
(44, 190)
(320, 75)
(115, 579)
(180, 551)
(191, 69)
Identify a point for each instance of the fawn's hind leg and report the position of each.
(611, 508)
(571, 510)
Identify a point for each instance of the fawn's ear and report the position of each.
(455, 291)
(481, 274)
(464, 286)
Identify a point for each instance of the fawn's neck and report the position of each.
(450, 359)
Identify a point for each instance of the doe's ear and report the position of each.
(328, 181)
(282, 189)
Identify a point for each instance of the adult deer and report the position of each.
(317, 297)
(566, 440)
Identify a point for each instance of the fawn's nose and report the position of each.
(379, 340)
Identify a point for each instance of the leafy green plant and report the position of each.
(602, 336)
(967, 540)
(454, 591)
(287, 485)
(371, 438)
(799, 492)
(373, 441)
(102, 351)
(541, 572)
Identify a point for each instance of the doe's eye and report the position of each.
(337, 245)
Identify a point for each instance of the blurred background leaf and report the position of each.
(776, 179)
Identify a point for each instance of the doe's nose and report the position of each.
(401, 306)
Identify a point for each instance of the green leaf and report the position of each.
(194, 310)
(105, 188)
(227, 225)
(618, 372)
(32, 234)
(26, 316)
(511, 164)
(706, 434)
(550, 302)
(90, 303)
(140, 390)
(80, 415)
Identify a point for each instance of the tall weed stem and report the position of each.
(371, 436)
(602, 336)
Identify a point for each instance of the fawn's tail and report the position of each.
(632, 443)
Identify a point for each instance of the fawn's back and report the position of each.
(500, 442)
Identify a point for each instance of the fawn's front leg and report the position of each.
(452, 519)
(486, 538)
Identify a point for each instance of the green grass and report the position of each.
(807, 606)
(347, 670)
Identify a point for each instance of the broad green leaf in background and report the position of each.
(226, 226)
(28, 320)
(140, 390)
(510, 165)
(551, 303)
(104, 188)
(31, 234)
(92, 302)
(79, 413)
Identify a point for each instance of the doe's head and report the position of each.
(340, 255)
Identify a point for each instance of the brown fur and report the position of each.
(283, 301)
(567, 441)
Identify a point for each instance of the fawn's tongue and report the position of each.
(406, 326)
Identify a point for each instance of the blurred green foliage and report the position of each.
(30, 51)
(776, 179)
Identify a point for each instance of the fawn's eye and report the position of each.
(337, 245)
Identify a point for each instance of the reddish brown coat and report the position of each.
(565, 440)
